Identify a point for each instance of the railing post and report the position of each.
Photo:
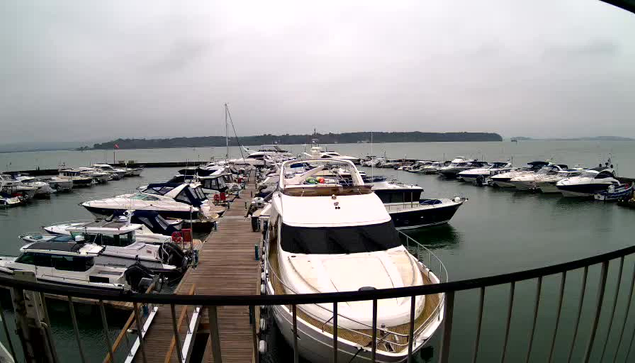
(335, 345)
(411, 332)
(598, 311)
(140, 332)
(577, 320)
(563, 281)
(6, 333)
(71, 306)
(628, 309)
(177, 337)
(533, 324)
(374, 334)
(214, 333)
(104, 322)
(296, 353)
(510, 310)
(447, 327)
(617, 295)
(477, 341)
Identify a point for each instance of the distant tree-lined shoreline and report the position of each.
(330, 138)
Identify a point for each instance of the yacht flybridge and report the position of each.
(331, 234)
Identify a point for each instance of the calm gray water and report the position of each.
(496, 231)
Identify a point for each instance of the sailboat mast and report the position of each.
(226, 135)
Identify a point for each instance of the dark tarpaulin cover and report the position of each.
(337, 240)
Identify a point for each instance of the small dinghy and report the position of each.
(615, 193)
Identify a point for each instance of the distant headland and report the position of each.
(330, 138)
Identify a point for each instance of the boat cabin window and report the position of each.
(144, 196)
(119, 240)
(67, 263)
(339, 240)
(72, 263)
(604, 174)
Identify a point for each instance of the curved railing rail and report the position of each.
(447, 288)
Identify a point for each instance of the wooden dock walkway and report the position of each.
(227, 266)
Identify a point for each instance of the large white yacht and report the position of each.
(458, 165)
(502, 180)
(115, 173)
(171, 200)
(327, 234)
(588, 183)
(529, 181)
(492, 169)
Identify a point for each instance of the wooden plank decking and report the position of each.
(226, 267)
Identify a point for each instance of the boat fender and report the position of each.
(263, 291)
(262, 347)
(263, 276)
(263, 325)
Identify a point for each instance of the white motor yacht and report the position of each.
(588, 183)
(171, 200)
(79, 179)
(115, 173)
(59, 183)
(458, 165)
(529, 181)
(15, 188)
(502, 180)
(124, 244)
(326, 234)
(98, 176)
(73, 264)
(482, 174)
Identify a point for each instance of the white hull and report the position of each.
(316, 345)
(524, 185)
(502, 184)
(570, 194)
(548, 188)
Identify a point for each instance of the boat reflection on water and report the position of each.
(437, 237)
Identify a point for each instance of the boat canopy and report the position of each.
(339, 240)
(183, 193)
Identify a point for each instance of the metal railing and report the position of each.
(602, 312)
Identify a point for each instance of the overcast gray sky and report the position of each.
(97, 70)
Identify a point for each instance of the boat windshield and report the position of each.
(144, 196)
(339, 240)
(67, 263)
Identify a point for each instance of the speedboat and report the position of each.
(115, 173)
(547, 183)
(327, 234)
(118, 228)
(588, 183)
(7, 201)
(171, 200)
(503, 180)
(98, 176)
(482, 174)
(406, 208)
(16, 188)
(458, 165)
(79, 179)
(73, 264)
(59, 183)
(432, 168)
(123, 244)
(546, 175)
